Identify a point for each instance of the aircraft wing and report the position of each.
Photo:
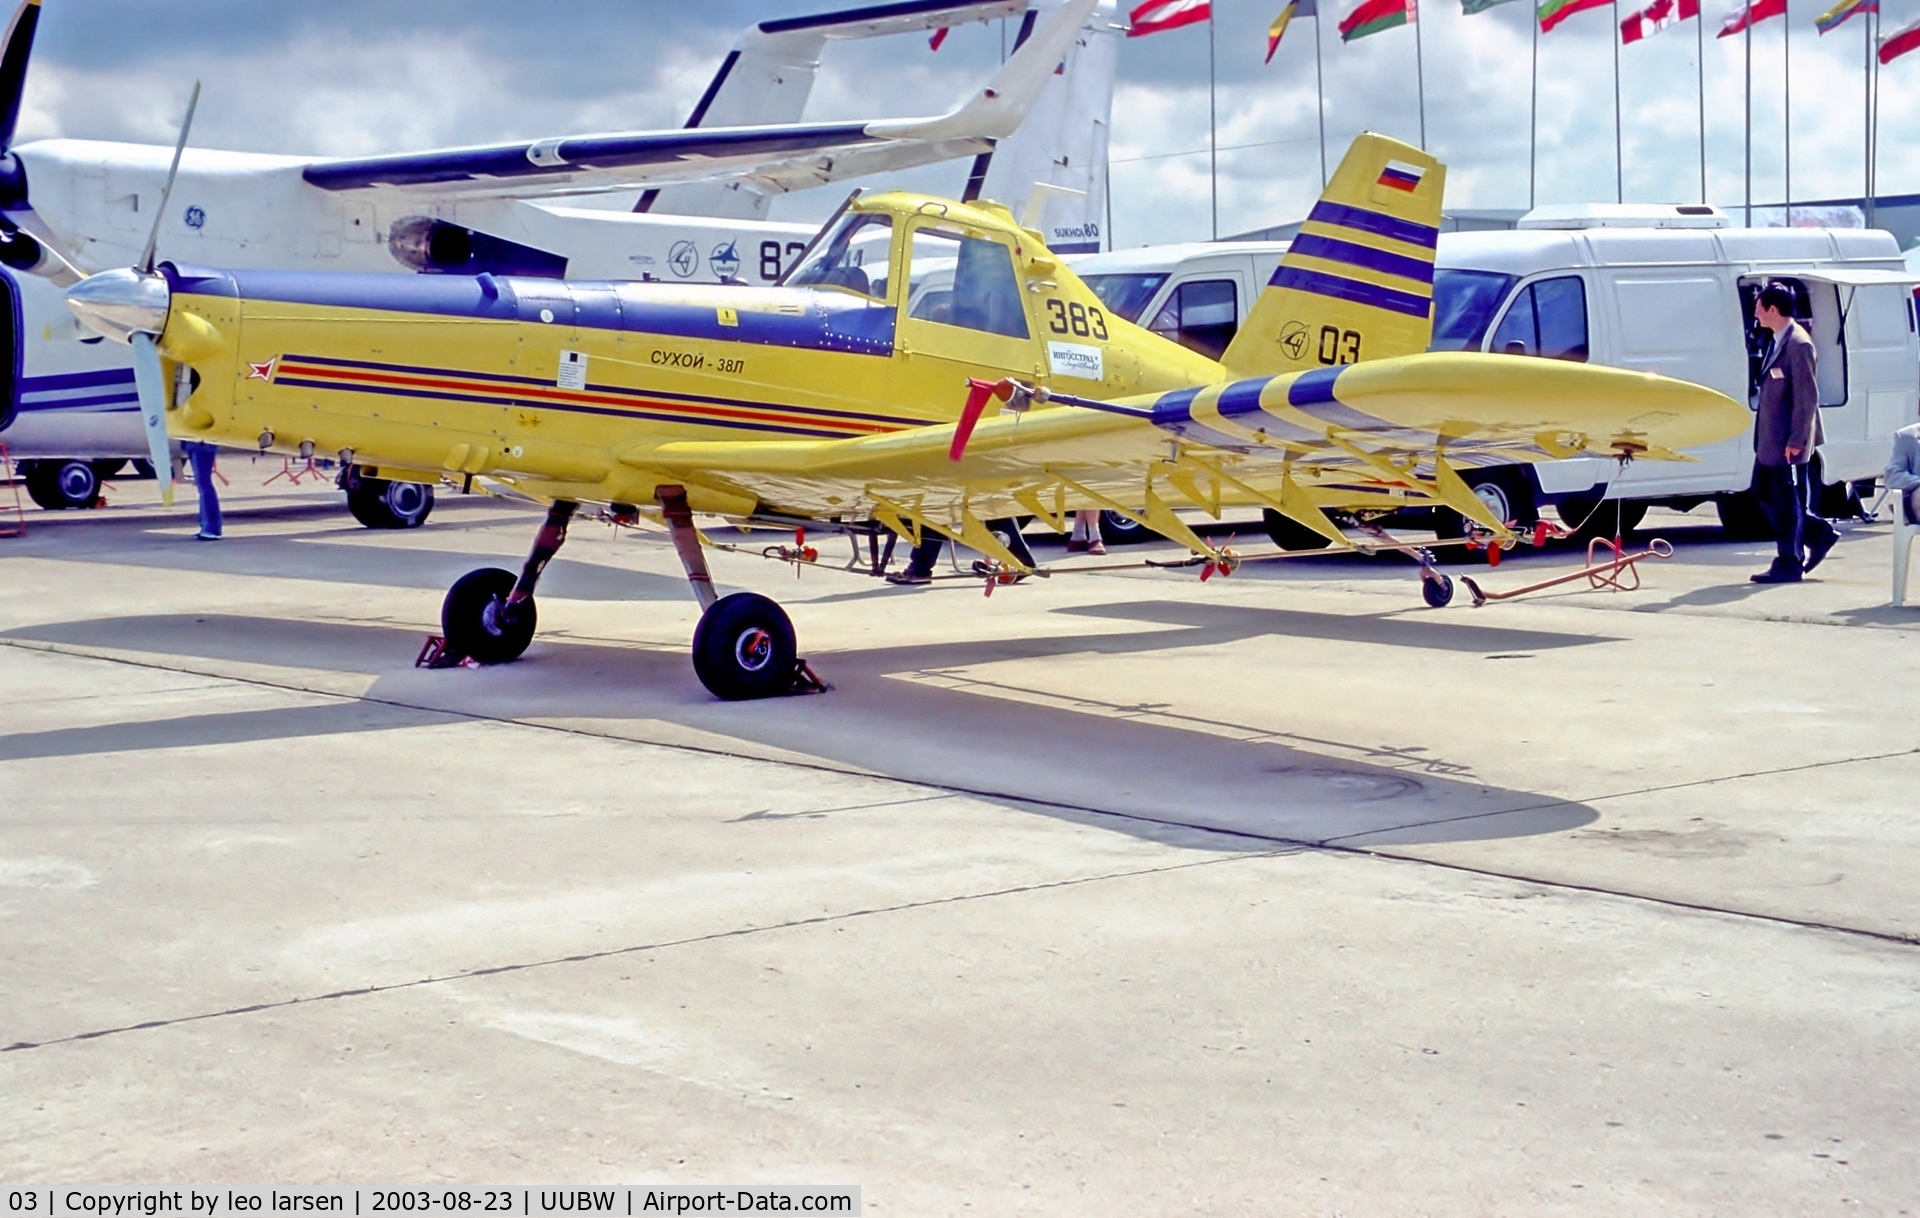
(597, 163)
(1380, 435)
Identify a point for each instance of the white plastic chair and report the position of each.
(1904, 531)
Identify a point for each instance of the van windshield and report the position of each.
(1125, 295)
(1464, 302)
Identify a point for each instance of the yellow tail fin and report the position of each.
(1357, 283)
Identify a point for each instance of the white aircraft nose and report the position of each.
(121, 303)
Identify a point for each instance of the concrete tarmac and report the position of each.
(1124, 893)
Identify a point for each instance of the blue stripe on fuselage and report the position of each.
(829, 320)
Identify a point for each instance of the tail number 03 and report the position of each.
(1339, 346)
(1076, 318)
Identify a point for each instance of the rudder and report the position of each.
(1357, 283)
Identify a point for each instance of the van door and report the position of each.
(1683, 322)
(1876, 338)
(1818, 308)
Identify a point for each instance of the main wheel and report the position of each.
(477, 621)
(1117, 530)
(59, 484)
(382, 504)
(1742, 517)
(1507, 496)
(744, 648)
(1008, 533)
(1290, 534)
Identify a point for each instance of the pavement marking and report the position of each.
(638, 948)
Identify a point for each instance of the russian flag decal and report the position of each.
(1401, 176)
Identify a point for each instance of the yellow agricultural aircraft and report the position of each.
(927, 365)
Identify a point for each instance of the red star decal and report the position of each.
(261, 372)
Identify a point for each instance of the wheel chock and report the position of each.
(806, 681)
(434, 654)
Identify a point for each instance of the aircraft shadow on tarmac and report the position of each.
(1159, 775)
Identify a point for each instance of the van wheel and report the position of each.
(381, 504)
(1742, 517)
(60, 484)
(1506, 494)
(1290, 534)
(1117, 530)
(1591, 518)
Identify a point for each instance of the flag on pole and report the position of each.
(939, 36)
(1375, 15)
(1295, 8)
(1836, 16)
(1658, 16)
(1553, 12)
(1750, 12)
(1469, 7)
(1157, 15)
(1898, 43)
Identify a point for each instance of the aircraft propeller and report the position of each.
(130, 304)
(19, 249)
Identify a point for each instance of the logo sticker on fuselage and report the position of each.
(1073, 359)
(573, 370)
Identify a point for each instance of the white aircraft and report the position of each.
(71, 207)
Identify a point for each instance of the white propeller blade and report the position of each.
(152, 384)
(160, 213)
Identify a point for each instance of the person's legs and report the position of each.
(1779, 496)
(201, 456)
(920, 562)
(1912, 498)
(1816, 531)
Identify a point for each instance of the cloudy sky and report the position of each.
(364, 76)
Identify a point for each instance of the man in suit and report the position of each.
(1786, 429)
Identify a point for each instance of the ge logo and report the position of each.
(195, 218)
(1293, 337)
(684, 258)
(725, 261)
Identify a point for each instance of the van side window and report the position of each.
(1547, 318)
(1202, 314)
(985, 294)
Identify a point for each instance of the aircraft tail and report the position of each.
(1050, 170)
(1357, 283)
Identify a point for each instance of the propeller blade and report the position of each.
(13, 67)
(160, 212)
(152, 384)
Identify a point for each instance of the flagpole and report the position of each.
(1873, 127)
(1619, 172)
(1320, 96)
(1420, 71)
(1213, 151)
(1786, 101)
(1700, 66)
(1866, 116)
(1533, 107)
(1748, 37)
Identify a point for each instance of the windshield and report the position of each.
(1125, 295)
(852, 257)
(1463, 303)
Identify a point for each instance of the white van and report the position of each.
(1665, 289)
(1671, 290)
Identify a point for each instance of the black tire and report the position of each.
(475, 621)
(382, 504)
(107, 467)
(1507, 495)
(744, 648)
(1437, 591)
(1591, 518)
(61, 484)
(1290, 534)
(1742, 517)
(1840, 500)
(1117, 530)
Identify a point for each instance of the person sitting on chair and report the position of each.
(1903, 471)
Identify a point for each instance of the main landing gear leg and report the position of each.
(489, 614)
(744, 645)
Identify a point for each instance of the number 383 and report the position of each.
(1076, 319)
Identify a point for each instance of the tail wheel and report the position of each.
(55, 485)
(1118, 530)
(382, 504)
(744, 648)
(478, 622)
(1437, 590)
